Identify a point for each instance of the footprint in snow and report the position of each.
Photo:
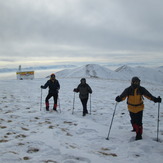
(50, 161)
(104, 153)
(32, 150)
(26, 158)
(25, 129)
(20, 136)
(70, 123)
(74, 159)
(3, 141)
(83, 131)
(3, 127)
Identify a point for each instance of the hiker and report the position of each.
(54, 86)
(134, 95)
(84, 89)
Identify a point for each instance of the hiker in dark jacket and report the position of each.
(84, 89)
(134, 95)
(54, 86)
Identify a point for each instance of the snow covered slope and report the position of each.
(160, 69)
(28, 134)
(90, 71)
(150, 75)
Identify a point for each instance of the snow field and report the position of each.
(31, 135)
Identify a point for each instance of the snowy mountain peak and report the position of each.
(122, 73)
(91, 70)
(88, 71)
(96, 71)
(122, 68)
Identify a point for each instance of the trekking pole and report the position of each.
(90, 103)
(41, 101)
(59, 104)
(112, 121)
(158, 120)
(73, 103)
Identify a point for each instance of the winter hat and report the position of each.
(135, 79)
(52, 75)
(135, 82)
(83, 80)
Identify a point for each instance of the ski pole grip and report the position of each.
(160, 99)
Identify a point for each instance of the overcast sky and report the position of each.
(42, 32)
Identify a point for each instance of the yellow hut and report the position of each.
(21, 75)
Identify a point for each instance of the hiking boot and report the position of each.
(133, 130)
(84, 114)
(138, 137)
(47, 108)
(139, 131)
(54, 109)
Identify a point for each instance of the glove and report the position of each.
(157, 100)
(75, 90)
(42, 86)
(118, 99)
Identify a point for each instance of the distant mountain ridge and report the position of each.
(88, 71)
(121, 73)
(144, 73)
(152, 75)
(3, 70)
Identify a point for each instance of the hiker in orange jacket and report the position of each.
(134, 95)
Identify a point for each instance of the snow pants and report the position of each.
(136, 121)
(84, 103)
(55, 97)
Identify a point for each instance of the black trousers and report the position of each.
(55, 97)
(136, 118)
(84, 103)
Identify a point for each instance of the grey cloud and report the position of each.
(80, 27)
